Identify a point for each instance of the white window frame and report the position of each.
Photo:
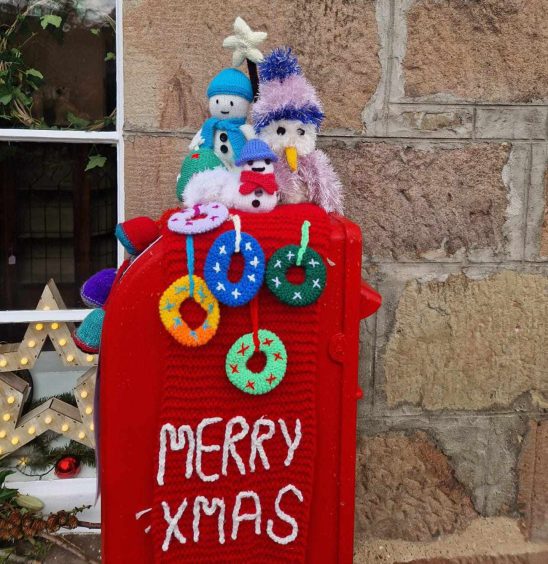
(92, 137)
(79, 491)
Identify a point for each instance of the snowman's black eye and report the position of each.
(300, 131)
(217, 101)
(280, 131)
(249, 163)
(267, 161)
(231, 103)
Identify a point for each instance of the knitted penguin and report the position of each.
(287, 115)
(230, 94)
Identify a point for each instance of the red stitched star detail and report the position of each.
(243, 349)
(278, 356)
(271, 379)
(195, 156)
(234, 368)
(267, 341)
(250, 385)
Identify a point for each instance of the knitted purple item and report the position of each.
(95, 290)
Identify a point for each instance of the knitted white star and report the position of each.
(244, 43)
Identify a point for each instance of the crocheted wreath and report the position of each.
(189, 287)
(296, 294)
(189, 222)
(242, 350)
(218, 262)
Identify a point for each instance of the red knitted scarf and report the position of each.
(198, 395)
(253, 180)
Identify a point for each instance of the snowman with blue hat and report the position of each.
(230, 94)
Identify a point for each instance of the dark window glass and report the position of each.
(57, 220)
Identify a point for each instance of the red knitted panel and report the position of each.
(196, 387)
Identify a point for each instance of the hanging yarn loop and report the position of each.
(257, 383)
(190, 262)
(305, 237)
(238, 229)
(217, 265)
(254, 307)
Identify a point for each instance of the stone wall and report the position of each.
(437, 119)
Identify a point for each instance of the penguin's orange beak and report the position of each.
(291, 157)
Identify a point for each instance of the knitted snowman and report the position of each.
(230, 94)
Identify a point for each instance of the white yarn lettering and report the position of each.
(237, 518)
(200, 448)
(177, 442)
(292, 445)
(209, 510)
(173, 527)
(230, 442)
(257, 442)
(284, 517)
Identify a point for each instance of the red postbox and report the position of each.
(133, 395)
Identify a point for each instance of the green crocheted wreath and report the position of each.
(242, 350)
(296, 294)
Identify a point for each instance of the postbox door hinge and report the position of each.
(337, 347)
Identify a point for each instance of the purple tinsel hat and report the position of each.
(284, 93)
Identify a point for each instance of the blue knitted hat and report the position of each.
(231, 81)
(256, 150)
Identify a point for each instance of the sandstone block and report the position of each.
(172, 50)
(493, 50)
(151, 168)
(407, 489)
(431, 121)
(426, 201)
(469, 344)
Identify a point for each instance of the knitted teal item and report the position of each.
(123, 238)
(232, 128)
(231, 81)
(271, 375)
(296, 294)
(88, 336)
(196, 161)
(256, 150)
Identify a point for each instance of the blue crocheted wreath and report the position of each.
(218, 262)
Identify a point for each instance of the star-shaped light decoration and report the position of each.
(244, 43)
(53, 415)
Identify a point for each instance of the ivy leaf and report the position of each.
(3, 475)
(77, 122)
(50, 19)
(95, 31)
(95, 161)
(34, 72)
(5, 99)
(22, 97)
(110, 56)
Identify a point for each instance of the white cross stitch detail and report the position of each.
(313, 263)
(248, 246)
(297, 295)
(221, 286)
(316, 283)
(217, 268)
(251, 277)
(276, 281)
(222, 250)
(290, 255)
(236, 293)
(278, 264)
(254, 263)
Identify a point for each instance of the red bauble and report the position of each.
(67, 467)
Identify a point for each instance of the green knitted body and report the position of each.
(196, 161)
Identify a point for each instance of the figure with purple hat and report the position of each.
(254, 189)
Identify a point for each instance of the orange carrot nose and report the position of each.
(291, 157)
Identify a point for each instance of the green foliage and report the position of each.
(50, 19)
(96, 161)
(110, 56)
(6, 493)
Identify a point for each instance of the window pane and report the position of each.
(57, 64)
(57, 220)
